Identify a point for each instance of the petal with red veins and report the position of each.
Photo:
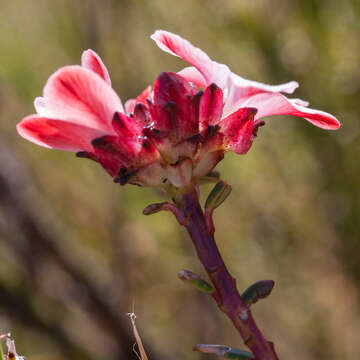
(76, 93)
(125, 127)
(237, 129)
(173, 108)
(173, 44)
(211, 106)
(57, 134)
(193, 75)
(92, 61)
(277, 104)
(113, 155)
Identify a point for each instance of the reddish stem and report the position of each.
(228, 297)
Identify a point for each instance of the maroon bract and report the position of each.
(169, 136)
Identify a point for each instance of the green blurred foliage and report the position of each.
(293, 214)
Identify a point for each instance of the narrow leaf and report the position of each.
(196, 280)
(224, 351)
(257, 291)
(217, 196)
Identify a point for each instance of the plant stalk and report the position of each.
(227, 296)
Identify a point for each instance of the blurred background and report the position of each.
(76, 254)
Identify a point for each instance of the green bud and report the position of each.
(217, 196)
(196, 280)
(224, 351)
(257, 291)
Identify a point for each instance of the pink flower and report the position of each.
(169, 136)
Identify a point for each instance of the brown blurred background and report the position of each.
(75, 252)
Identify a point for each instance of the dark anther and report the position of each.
(139, 107)
(141, 113)
(170, 106)
(152, 133)
(124, 177)
(196, 98)
(194, 139)
(257, 124)
(146, 144)
(122, 171)
(196, 102)
(164, 181)
(86, 155)
(104, 143)
(211, 131)
(213, 87)
(116, 116)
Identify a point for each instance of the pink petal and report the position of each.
(191, 74)
(125, 127)
(144, 95)
(277, 104)
(211, 107)
(76, 93)
(91, 60)
(240, 89)
(57, 134)
(112, 154)
(173, 44)
(142, 98)
(129, 106)
(238, 130)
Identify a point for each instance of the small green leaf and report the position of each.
(217, 196)
(238, 354)
(196, 280)
(257, 291)
(224, 351)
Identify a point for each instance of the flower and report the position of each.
(170, 136)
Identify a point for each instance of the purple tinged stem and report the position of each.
(227, 296)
